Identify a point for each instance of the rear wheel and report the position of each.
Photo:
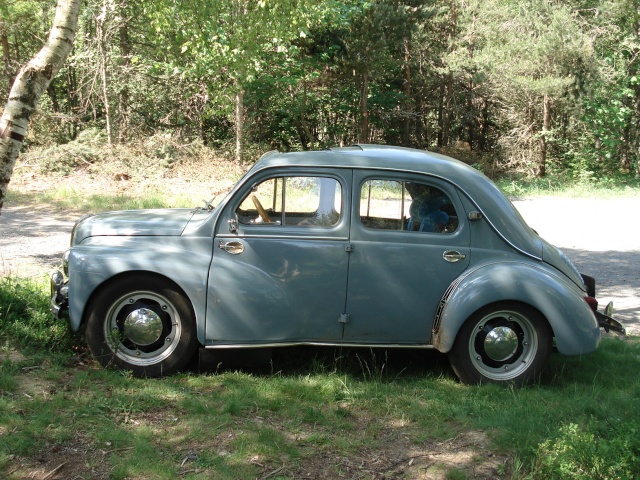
(142, 324)
(502, 343)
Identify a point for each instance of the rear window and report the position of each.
(406, 206)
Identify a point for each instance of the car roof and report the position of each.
(365, 156)
(489, 200)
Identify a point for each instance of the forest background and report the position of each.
(529, 86)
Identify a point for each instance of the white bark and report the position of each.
(31, 82)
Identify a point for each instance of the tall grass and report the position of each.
(25, 320)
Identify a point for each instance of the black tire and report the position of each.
(143, 324)
(502, 343)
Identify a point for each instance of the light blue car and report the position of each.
(359, 246)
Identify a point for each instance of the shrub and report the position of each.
(591, 452)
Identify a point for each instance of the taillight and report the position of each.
(593, 302)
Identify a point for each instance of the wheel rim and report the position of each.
(142, 328)
(504, 345)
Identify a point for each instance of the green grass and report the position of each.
(560, 185)
(67, 199)
(351, 412)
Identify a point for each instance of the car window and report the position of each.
(293, 201)
(406, 205)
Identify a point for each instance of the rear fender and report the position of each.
(561, 303)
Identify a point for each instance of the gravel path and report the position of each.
(602, 238)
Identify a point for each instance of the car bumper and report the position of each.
(607, 322)
(59, 305)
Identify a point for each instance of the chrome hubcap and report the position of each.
(500, 344)
(504, 345)
(143, 326)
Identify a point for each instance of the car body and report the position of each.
(357, 246)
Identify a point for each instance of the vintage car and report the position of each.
(358, 246)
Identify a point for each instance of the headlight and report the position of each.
(65, 262)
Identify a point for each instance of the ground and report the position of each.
(601, 236)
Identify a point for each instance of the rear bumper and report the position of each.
(609, 324)
(605, 320)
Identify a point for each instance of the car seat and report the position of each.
(425, 213)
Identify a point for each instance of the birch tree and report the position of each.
(32, 80)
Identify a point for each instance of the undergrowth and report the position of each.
(143, 168)
(25, 320)
(595, 450)
(569, 186)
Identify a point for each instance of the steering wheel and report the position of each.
(261, 211)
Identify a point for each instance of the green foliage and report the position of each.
(24, 317)
(314, 74)
(599, 450)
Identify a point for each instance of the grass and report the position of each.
(561, 185)
(354, 412)
(69, 200)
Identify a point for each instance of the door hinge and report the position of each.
(344, 318)
(348, 247)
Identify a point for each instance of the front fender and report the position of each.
(560, 301)
(185, 261)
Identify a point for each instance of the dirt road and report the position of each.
(602, 238)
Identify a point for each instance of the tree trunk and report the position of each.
(6, 51)
(406, 89)
(239, 123)
(440, 141)
(32, 80)
(125, 63)
(484, 125)
(101, 33)
(448, 108)
(364, 107)
(546, 121)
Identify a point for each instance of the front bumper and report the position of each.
(59, 305)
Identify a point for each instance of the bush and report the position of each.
(591, 452)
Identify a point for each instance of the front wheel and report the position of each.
(503, 343)
(142, 324)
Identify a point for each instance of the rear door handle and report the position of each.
(453, 256)
(234, 248)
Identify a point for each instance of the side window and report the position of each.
(293, 201)
(408, 206)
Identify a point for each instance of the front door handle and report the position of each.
(234, 248)
(453, 256)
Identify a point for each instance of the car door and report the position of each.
(279, 269)
(409, 242)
